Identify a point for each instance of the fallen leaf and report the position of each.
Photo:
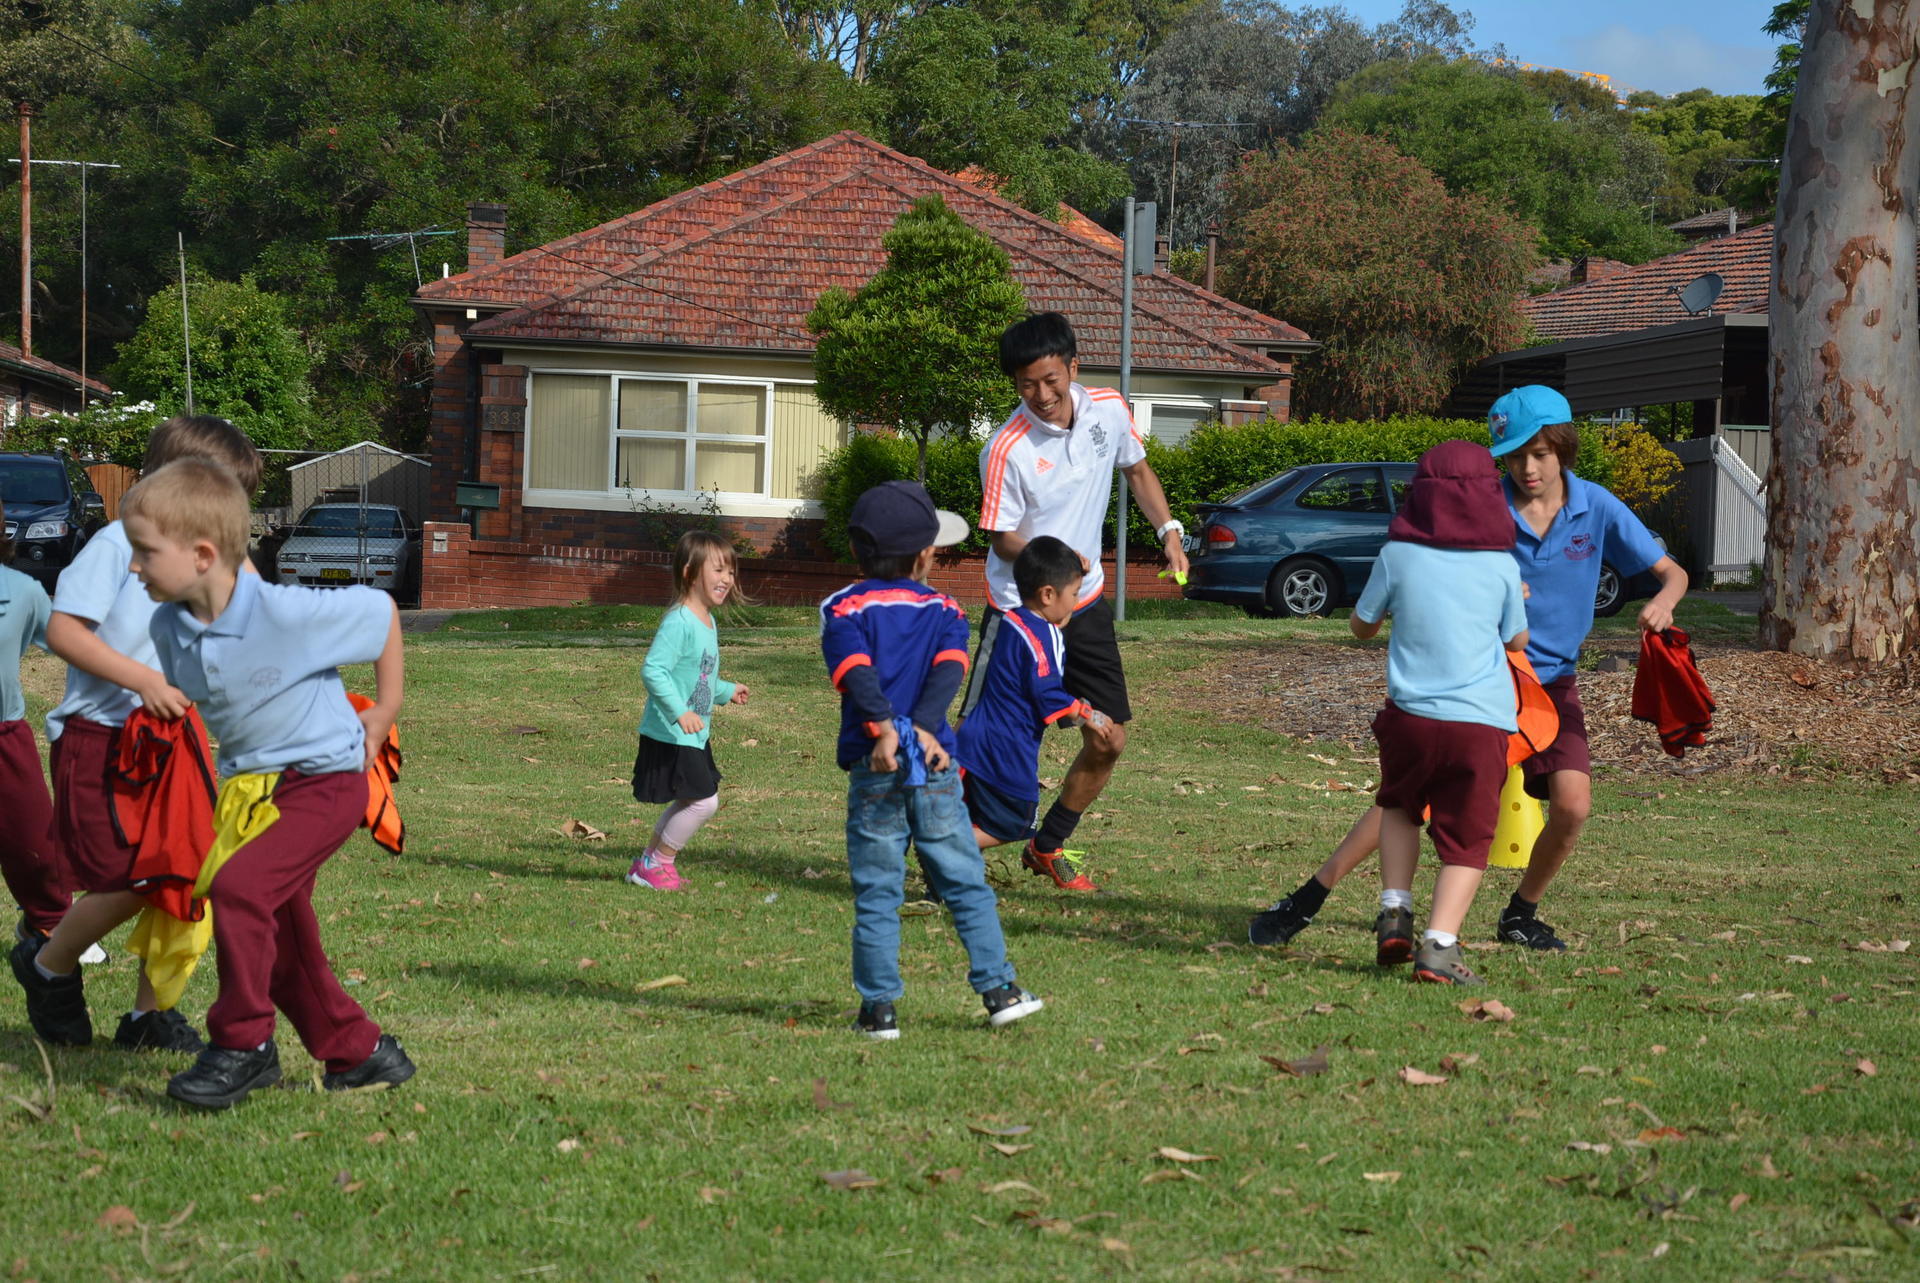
(1865, 1068)
(981, 1129)
(1011, 1187)
(713, 1193)
(664, 982)
(750, 743)
(1452, 1063)
(1767, 1169)
(1590, 1147)
(1487, 1009)
(584, 963)
(850, 1178)
(1652, 1135)
(1314, 1062)
(1738, 1201)
(824, 1102)
(119, 1217)
(582, 830)
(1800, 958)
(945, 1175)
(1607, 971)
(1115, 1245)
(1659, 1250)
(1419, 1077)
(568, 1145)
(1007, 1150)
(1182, 1156)
(1382, 1178)
(525, 730)
(1169, 1174)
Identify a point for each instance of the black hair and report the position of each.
(1041, 335)
(898, 565)
(1045, 562)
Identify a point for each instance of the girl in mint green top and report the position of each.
(682, 676)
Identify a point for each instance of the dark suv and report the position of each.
(52, 510)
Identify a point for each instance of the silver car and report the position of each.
(336, 544)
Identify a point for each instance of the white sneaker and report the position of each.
(95, 956)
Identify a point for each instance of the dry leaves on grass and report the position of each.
(581, 831)
(850, 1179)
(1415, 1077)
(824, 1102)
(1314, 1062)
(985, 1129)
(1487, 1009)
(1173, 1155)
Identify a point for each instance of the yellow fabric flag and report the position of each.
(171, 948)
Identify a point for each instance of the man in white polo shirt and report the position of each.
(1048, 470)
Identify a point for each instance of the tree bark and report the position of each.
(1844, 486)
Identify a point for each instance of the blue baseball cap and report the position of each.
(1518, 416)
(897, 518)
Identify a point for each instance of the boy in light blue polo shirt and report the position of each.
(261, 661)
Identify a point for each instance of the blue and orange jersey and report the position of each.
(1020, 696)
(892, 646)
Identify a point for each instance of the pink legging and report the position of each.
(681, 820)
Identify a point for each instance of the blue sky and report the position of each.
(1662, 45)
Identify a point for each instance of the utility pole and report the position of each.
(26, 228)
(27, 162)
(1137, 259)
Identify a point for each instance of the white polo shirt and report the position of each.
(1036, 479)
(100, 588)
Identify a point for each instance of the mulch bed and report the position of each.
(1776, 714)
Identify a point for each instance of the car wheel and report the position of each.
(1609, 595)
(1301, 587)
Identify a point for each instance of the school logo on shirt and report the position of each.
(264, 679)
(1580, 547)
(1043, 467)
(1098, 432)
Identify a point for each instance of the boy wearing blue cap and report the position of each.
(896, 650)
(1564, 528)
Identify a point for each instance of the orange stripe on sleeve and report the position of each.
(1076, 709)
(959, 656)
(847, 665)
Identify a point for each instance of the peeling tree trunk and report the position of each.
(1844, 486)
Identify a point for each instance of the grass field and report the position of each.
(1717, 1082)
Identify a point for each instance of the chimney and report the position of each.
(486, 234)
(1213, 250)
(1162, 254)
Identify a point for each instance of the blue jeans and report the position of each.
(882, 815)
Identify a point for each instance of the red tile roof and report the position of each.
(738, 263)
(1070, 218)
(1643, 296)
(13, 356)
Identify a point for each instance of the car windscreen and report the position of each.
(27, 484)
(379, 523)
(1264, 491)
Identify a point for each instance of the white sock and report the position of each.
(1396, 899)
(1444, 939)
(136, 1015)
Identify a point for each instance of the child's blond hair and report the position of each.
(690, 556)
(193, 499)
(186, 436)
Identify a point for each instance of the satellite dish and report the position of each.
(1700, 293)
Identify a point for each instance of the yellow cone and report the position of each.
(1520, 823)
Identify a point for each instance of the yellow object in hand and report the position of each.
(1179, 576)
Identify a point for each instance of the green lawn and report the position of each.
(621, 1084)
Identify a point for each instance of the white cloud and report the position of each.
(1669, 60)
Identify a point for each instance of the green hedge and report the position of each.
(1216, 461)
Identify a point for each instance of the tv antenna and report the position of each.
(1699, 294)
(387, 240)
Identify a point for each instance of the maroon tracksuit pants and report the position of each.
(30, 858)
(266, 935)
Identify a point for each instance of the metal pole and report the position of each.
(186, 325)
(1126, 396)
(26, 229)
(1173, 185)
(83, 287)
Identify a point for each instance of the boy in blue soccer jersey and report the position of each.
(1021, 695)
(896, 650)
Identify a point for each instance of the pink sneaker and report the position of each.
(649, 872)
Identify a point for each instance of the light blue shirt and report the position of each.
(99, 588)
(23, 623)
(1562, 568)
(266, 673)
(682, 675)
(1452, 610)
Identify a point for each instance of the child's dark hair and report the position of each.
(206, 436)
(1046, 562)
(1564, 439)
(1041, 335)
(873, 565)
(690, 556)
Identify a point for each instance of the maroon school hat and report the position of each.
(1455, 501)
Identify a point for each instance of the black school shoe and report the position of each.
(1529, 931)
(388, 1066)
(1279, 924)
(877, 1021)
(1009, 1003)
(1393, 937)
(158, 1031)
(221, 1078)
(56, 1008)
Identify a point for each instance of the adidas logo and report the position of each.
(1044, 466)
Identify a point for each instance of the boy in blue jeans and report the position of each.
(1021, 695)
(896, 650)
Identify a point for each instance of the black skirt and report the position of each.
(665, 772)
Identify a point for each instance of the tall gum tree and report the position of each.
(1842, 580)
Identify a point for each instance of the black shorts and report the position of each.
(996, 814)
(1092, 670)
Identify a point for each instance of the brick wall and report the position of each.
(459, 572)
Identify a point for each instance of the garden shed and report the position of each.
(367, 471)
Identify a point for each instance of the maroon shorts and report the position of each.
(1454, 768)
(30, 859)
(1568, 752)
(98, 856)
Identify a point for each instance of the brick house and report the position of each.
(663, 357)
(30, 385)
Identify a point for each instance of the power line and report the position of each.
(172, 89)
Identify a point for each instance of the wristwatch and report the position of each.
(1174, 524)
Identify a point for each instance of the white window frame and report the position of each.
(626, 498)
(1144, 406)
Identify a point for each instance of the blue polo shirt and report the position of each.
(23, 623)
(1562, 568)
(100, 589)
(266, 673)
(1020, 697)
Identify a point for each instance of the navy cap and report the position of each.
(897, 519)
(1517, 417)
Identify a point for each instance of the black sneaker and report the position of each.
(1529, 931)
(1009, 1003)
(56, 1008)
(1278, 925)
(222, 1077)
(158, 1031)
(1393, 937)
(388, 1066)
(876, 1021)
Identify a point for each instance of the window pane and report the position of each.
(652, 407)
(1354, 490)
(1172, 424)
(731, 409)
(567, 432)
(646, 463)
(734, 468)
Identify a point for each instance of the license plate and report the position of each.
(1191, 543)
(336, 572)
